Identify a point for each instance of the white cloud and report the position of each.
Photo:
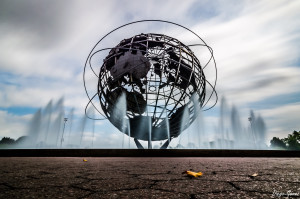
(282, 120)
(13, 125)
(258, 46)
(255, 44)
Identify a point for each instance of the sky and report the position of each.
(44, 45)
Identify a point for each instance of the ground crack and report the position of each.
(33, 177)
(11, 187)
(234, 186)
(221, 191)
(153, 183)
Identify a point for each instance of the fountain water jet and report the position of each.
(70, 124)
(230, 133)
(48, 112)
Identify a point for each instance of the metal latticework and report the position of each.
(158, 74)
(151, 86)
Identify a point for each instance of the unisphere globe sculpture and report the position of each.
(151, 87)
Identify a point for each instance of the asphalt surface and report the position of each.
(118, 177)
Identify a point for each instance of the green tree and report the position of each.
(293, 141)
(277, 143)
(7, 140)
(21, 139)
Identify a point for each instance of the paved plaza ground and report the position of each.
(135, 177)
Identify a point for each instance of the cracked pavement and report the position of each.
(69, 177)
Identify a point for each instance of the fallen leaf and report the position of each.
(253, 175)
(193, 174)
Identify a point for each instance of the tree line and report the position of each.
(7, 141)
(291, 142)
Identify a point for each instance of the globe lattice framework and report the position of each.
(151, 86)
(158, 75)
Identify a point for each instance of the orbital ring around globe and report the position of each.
(159, 77)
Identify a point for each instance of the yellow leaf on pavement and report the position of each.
(253, 175)
(193, 174)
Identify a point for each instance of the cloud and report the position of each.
(41, 20)
(13, 125)
(43, 46)
(282, 120)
